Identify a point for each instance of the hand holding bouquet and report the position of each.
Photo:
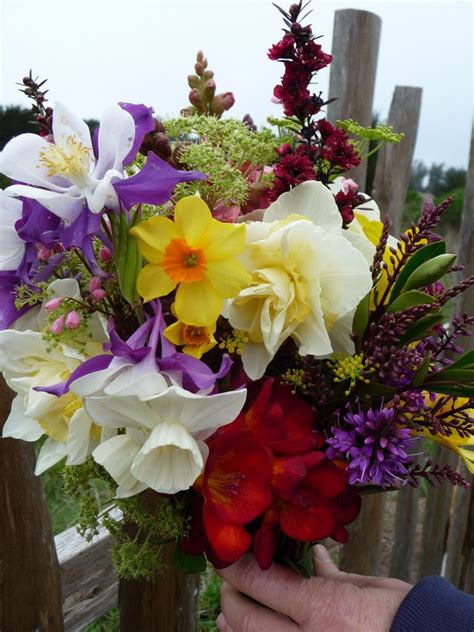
(213, 325)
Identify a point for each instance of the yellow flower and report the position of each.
(196, 253)
(196, 340)
(463, 446)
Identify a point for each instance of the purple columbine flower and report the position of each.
(374, 445)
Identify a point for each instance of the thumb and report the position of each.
(324, 566)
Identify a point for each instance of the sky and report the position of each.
(97, 53)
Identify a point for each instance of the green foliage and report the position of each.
(108, 623)
(91, 487)
(225, 150)
(63, 509)
(429, 272)
(127, 255)
(15, 120)
(209, 601)
(380, 132)
(421, 256)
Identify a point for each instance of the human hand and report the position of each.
(278, 600)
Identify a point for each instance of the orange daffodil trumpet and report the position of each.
(195, 254)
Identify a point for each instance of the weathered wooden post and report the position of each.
(355, 46)
(460, 548)
(166, 604)
(356, 37)
(30, 583)
(390, 189)
(392, 177)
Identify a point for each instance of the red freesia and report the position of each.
(266, 476)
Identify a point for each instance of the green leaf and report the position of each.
(422, 327)
(461, 390)
(374, 389)
(189, 564)
(466, 360)
(422, 372)
(127, 256)
(410, 299)
(429, 272)
(420, 256)
(361, 317)
(453, 376)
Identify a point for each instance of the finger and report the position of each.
(221, 624)
(326, 569)
(278, 588)
(241, 614)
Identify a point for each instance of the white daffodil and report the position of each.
(163, 447)
(65, 175)
(27, 361)
(12, 248)
(305, 280)
(365, 229)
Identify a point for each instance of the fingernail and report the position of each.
(220, 622)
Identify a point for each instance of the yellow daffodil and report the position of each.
(195, 253)
(462, 445)
(195, 340)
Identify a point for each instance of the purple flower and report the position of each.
(374, 445)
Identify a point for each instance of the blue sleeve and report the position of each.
(434, 605)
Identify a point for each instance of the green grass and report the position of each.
(64, 514)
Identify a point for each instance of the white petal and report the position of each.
(19, 425)
(255, 359)
(93, 383)
(116, 455)
(116, 136)
(355, 235)
(197, 412)
(63, 204)
(66, 124)
(79, 439)
(312, 199)
(370, 209)
(12, 248)
(51, 453)
(20, 161)
(340, 335)
(64, 287)
(121, 412)
(104, 193)
(169, 461)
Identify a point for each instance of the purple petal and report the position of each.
(38, 225)
(9, 313)
(154, 184)
(97, 363)
(144, 123)
(80, 235)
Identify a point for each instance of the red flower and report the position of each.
(236, 490)
(312, 501)
(284, 49)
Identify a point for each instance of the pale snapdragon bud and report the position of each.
(53, 303)
(58, 325)
(44, 253)
(73, 320)
(105, 254)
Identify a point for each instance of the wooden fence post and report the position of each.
(390, 190)
(166, 604)
(355, 46)
(30, 584)
(460, 550)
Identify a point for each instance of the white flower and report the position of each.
(65, 176)
(26, 362)
(307, 280)
(163, 447)
(12, 248)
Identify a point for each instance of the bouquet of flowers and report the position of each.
(213, 329)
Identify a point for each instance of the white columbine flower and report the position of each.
(27, 361)
(65, 175)
(163, 447)
(12, 248)
(307, 280)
